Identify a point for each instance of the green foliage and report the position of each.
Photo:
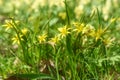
(64, 40)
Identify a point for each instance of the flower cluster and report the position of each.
(90, 31)
(86, 30)
(12, 24)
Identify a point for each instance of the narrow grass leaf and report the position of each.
(34, 76)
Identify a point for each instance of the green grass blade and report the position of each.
(34, 76)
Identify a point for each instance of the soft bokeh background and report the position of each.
(108, 8)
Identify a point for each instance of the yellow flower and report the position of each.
(79, 10)
(108, 41)
(62, 15)
(64, 31)
(16, 39)
(54, 40)
(78, 27)
(42, 38)
(88, 30)
(99, 33)
(24, 31)
(9, 24)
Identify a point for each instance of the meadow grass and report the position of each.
(53, 42)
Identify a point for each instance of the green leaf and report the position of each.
(34, 76)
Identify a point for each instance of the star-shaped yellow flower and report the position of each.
(42, 38)
(78, 27)
(9, 24)
(16, 39)
(24, 31)
(64, 31)
(55, 39)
